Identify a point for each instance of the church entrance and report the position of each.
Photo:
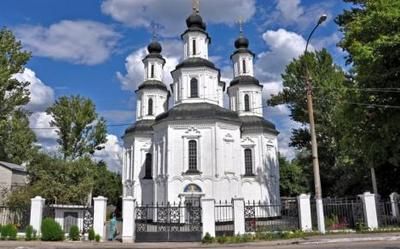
(170, 222)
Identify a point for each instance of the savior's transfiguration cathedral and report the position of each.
(198, 148)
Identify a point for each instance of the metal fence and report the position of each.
(261, 216)
(19, 217)
(340, 213)
(387, 217)
(168, 222)
(224, 219)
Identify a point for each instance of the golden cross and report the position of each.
(196, 6)
(240, 22)
(154, 30)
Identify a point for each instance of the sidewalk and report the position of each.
(319, 239)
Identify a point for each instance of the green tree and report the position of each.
(79, 127)
(16, 139)
(371, 32)
(328, 87)
(293, 179)
(107, 183)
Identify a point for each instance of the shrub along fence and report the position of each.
(17, 216)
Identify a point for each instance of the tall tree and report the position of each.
(371, 32)
(79, 127)
(16, 139)
(293, 179)
(328, 81)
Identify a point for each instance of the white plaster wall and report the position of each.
(238, 64)
(158, 69)
(160, 103)
(236, 96)
(201, 45)
(209, 87)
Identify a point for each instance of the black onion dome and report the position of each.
(195, 21)
(154, 47)
(242, 42)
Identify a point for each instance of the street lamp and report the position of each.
(317, 179)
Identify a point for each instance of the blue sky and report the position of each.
(94, 47)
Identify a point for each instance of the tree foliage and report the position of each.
(16, 139)
(80, 129)
(107, 183)
(372, 40)
(328, 86)
(293, 179)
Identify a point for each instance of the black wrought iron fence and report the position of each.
(88, 216)
(388, 216)
(224, 219)
(18, 216)
(168, 222)
(261, 216)
(340, 213)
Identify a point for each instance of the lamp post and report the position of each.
(317, 179)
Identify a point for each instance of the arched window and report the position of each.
(148, 165)
(248, 162)
(150, 107)
(244, 66)
(194, 88)
(152, 71)
(246, 103)
(192, 155)
(194, 47)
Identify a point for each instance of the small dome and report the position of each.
(154, 47)
(241, 42)
(195, 20)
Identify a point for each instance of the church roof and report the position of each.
(196, 111)
(245, 80)
(152, 84)
(141, 126)
(255, 123)
(196, 62)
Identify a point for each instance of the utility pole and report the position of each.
(317, 179)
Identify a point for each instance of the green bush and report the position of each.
(8, 232)
(29, 233)
(91, 234)
(97, 238)
(207, 239)
(51, 230)
(74, 233)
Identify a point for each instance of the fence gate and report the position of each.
(168, 223)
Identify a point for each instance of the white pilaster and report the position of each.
(303, 202)
(369, 207)
(208, 216)
(37, 205)
(128, 217)
(394, 201)
(99, 217)
(238, 213)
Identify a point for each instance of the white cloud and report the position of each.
(46, 135)
(284, 47)
(170, 14)
(111, 154)
(41, 95)
(172, 50)
(291, 10)
(80, 42)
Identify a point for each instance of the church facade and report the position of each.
(197, 147)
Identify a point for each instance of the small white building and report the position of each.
(198, 147)
(12, 176)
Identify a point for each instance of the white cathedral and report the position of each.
(199, 148)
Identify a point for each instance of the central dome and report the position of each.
(241, 42)
(154, 47)
(195, 20)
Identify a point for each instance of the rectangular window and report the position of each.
(192, 155)
(152, 71)
(194, 47)
(248, 162)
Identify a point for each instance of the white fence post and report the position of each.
(238, 216)
(99, 217)
(303, 202)
(369, 206)
(394, 200)
(208, 216)
(128, 219)
(37, 205)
